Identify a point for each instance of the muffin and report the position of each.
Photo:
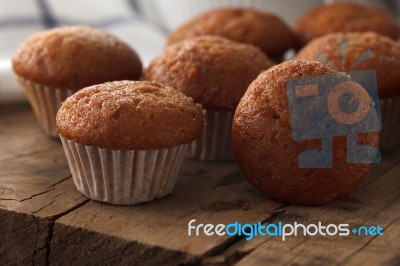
(344, 17)
(366, 51)
(215, 72)
(170, 14)
(125, 140)
(242, 25)
(267, 152)
(54, 64)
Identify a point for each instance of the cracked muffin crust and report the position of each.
(130, 115)
(267, 153)
(384, 58)
(264, 30)
(75, 57)
(214, 71)
(344, 17)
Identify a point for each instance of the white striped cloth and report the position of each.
(140, 23)
(21, 18)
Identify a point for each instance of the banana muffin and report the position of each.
(267, 153)
(215, 72)
(125, 140)
(53, 64)
(344, 17)
(264, 30)
(366, 51)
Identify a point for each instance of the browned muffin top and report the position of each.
(214, 71)
(344, 17)
(75, 57)
(267, 153)
(385, 58)
(264, 30)
(130, 115)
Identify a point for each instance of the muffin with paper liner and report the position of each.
(215, 72)
(53, 64)
(362, 51)
(125, 140)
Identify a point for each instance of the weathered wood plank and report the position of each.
(374, 202)
(30, 163)
(24, 239)
(34, 176)
(35, 187)
(242, 248)
(381, 250)
(45, 220)
(209, 193)
(36, 181)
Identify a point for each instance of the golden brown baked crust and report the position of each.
(344, 17)
(130, 115)
(385, 56)
(214, 71)
(268, 155)
(264, 30)
(75, 57)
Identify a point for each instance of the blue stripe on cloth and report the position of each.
(48, 19)
(20, 22)
(23, 22)
(134, 4)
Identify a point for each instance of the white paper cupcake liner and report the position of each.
(123, 177)
(390, 134)
(215, 144)
(45, 102)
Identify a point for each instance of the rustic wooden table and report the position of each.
(45, 220)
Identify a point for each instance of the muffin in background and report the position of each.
(264, 30)
(364, 51)
(344, 17)
(170, 14)
(215, 72)
(53, 64)
(267, 153)
(125, 140)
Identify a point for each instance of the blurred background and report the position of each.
(143, 24)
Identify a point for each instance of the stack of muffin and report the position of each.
(125, 140)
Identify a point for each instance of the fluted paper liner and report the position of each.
(215, 144)
(45, 102)
(390, 134)
(123, 177)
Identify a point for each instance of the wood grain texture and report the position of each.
(35, 188)
(374, 202)
(37, 182)
(44, 220)
(209, 193)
